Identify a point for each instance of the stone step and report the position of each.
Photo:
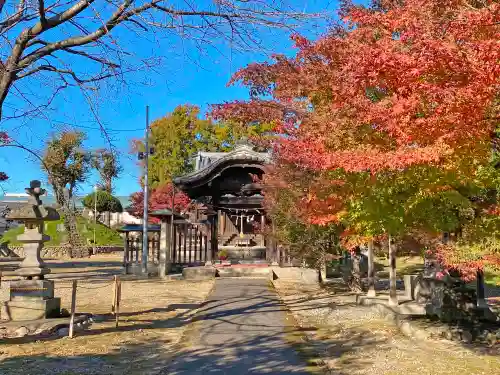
(203, 273)
(263, 272)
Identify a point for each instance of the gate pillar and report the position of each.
(165, 247)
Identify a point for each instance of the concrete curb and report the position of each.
(310, 353)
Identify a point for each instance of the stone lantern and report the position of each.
(33, 296)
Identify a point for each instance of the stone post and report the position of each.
(165, 249)
(272, 244)
(393, 296)
(371, 271)
(33, 297)
(209, 259)
(322, 272)
(481, 300)
(126, 256)
(263, 238)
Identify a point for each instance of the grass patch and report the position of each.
(492, 277)
(104, 235)
(404, 266)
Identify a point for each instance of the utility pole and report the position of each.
(171, 239)
(145, 247)
(95, 216)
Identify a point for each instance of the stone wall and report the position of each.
(55, 252)
(108, 249)
(65, 252)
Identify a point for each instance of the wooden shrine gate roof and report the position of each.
(235, 165)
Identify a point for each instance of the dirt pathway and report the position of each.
(242, 329)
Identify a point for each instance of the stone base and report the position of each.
(199, 273)
(32, 309)
(34, 272)
(236, 253)
(43, 328)
(23, 289)
(136, 269)
(260, 272)
(382, 303)
(294, 274)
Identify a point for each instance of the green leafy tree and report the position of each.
(105, 202)
(179, 135)
(107, 165)
(67, 165)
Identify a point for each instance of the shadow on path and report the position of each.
(244, 329)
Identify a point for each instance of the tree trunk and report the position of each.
(63, 198)
(71, 227)
(355, 282)
(481, 300)
(393, 296)
(371, 271)
(322, 267)
(345, 268)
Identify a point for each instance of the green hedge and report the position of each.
(104, 235)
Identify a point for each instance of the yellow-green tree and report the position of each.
(67, 165)
(180, 134)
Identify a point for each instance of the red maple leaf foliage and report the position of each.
(402, 84)
(160, 198)
(409, 83)
(4, 139)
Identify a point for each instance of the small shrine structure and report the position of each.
(225, 220)
(225, 184)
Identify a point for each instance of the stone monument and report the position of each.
(33, 297)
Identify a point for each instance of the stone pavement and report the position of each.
(241, 329)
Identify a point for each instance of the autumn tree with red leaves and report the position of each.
(160, 198)
(399, 104)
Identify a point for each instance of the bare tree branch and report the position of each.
(41, 11)
(98, 59)
(50, 68)
(16, 17)
(85, 28)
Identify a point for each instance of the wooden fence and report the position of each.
(133, 250)
(191, 244)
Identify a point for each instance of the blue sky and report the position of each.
(187, 77)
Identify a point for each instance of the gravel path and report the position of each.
(241, 330)
(154, 315)
(351, 339)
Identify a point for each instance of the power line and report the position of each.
(107, 129)
(96, 128)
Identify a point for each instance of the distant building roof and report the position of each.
(165, 212)
(11, 199)
(138, 228)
